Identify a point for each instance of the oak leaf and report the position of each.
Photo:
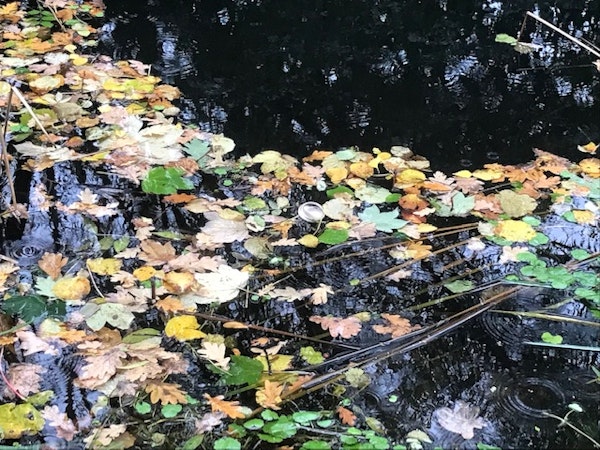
(319, 295)
(346, 416)
(166, 393)
(52, 263)
(397, 326)
(215, 353)
(64, 427)
(338, 326)
(100, 368)
(25, 378)
(270, 395)
(232, 409)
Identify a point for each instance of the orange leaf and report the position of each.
(51, 263)
(231, 409)
(165, 393)
(236, 325)
(170, 304)
(418, 250)
(397, 326)
(270, 395)
(346, 416)
(337, 326)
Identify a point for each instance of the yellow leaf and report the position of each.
(184, 328)
(338, 225)
(463, 174)
(178, 282)
(78, 60)
(591, 167)
(144, 273)
(104, 266)
(590, 147)
(71, 288)
(515, 230)
(309, 240)
(46, 83)
(410, 176)
(584, 216)
(488, 175)
(337, 174)
(361, 169)
(426, 228)
(381, 156)
(276, 362)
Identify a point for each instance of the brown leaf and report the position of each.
(65, 428)
(101, 368)
(397, 326)
(270, 395)
(52, 263)
(166, 393)
(24, 378)
(231, 409)
(337, 326)
(155, 253)
(346, 416)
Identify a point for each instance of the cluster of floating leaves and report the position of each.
(66, 103)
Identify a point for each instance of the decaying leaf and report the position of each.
(397, 326)
(71, 288)
(462, 419)
(52, 263)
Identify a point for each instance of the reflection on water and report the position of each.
(296, 75)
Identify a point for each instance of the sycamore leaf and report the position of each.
(215, 353)
(232, 409)
(71, 288)
(384, 221)
(337, 326)
(270, 395)
(52, 263)
(397, 326)
(372, 193)
(221, 285)
(184, 328)
(166, 393)
(515, 230)
(346, 416)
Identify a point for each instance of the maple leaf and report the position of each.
(397, 326)
(462, 419)
(155, 253)
(65, 427)
(346, 416)
(338, 326)
(52, 263)
(270, 395)
(232, 409)
(166, 393)
(215, 353)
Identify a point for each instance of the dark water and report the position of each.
(295, 75)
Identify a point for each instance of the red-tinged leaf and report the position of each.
(346, 416)
(337, 326)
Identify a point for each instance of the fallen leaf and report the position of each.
(155, 253)
(215, 353)
(64, 427)
(270, 395)
(462, 419)
(514, 230)
(52, 263)
(184, 328)
(397, 326)
(232, 409)
(104, 266)
(71, 288)
(337, 326)
(590, 147)
(346, 416)
(166, 393)
(319, 295)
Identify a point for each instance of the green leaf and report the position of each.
(227, 443)
(269, 414)
(254, 424)
(588, 294)
(338, 190)
(114, 314)
(504, 38)
(193, 443)
(482, 446)
(462, 204)
(242, 370)
(458, 286)
(311, 356)
(384, 221)
(551, 338)
(279, 430)
(143, 407)
(169, 411)
(197, 149)
(254, 203)
(539, 239)
(372, 193)
(161, 180)
(26, 307)
(304, 417)
(316, 445)
(579, 254)
(140, 335)
(332, 237)
(346, 154)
